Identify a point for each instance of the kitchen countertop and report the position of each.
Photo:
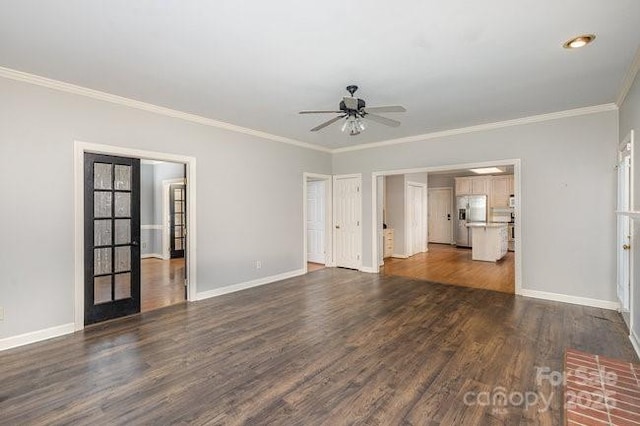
(486, 224)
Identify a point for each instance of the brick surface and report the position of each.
(600, 390)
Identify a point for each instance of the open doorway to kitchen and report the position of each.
(472, 229)
(317, 217)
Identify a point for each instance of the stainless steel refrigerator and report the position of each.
(469, 208)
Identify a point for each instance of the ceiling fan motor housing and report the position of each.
(361, 105)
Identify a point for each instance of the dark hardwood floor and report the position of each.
(331, 347)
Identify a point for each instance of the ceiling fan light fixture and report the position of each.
(353, 125)
(579, 41)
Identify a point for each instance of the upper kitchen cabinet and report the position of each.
(481, 185)
(475, 185)
(501, 190)
(463, 186)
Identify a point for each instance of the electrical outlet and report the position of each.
(258, 264)
(1, 313)
(144, 244)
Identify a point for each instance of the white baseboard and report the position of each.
(576, 300)
(154, 255)
(249, 284)
(635, 341)
(368, 269)
(36, 336)
(399, 256)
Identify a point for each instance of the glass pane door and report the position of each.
(177, 206)
(112, 231)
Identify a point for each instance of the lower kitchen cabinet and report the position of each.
(490, 241)
(388, 242)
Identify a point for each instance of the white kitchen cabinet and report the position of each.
(480, 185)
(473, 185)
(490, 241)
(387, 236)
(501, 190)
(463, 185)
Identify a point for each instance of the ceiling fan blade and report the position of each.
(320, 112)
(388, 108)
(327, 123)
(382, 120)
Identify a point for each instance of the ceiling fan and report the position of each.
(353, 110)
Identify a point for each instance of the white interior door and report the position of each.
(347, 212)
(624, 230)
(315, 222)
(416, 238)
(440, 217)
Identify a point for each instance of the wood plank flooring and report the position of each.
(331, 347)
(447, 264)
(311, 266)
(161, 283)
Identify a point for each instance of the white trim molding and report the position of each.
(36, 336)
(152, 255)
(120, 100)
(635, 341)
(249, 284)
(629, 78)
(483, 127)
(576, 300)
(148, 227)
(399, 256)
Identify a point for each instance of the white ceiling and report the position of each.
(257, 63)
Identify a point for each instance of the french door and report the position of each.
(112, 235)
(177, 220)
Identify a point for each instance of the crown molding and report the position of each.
(629, 78)
(120, 100)
(483, 127)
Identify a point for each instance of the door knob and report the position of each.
(626, 246)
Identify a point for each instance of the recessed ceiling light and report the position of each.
(487, 170)
(579, 41)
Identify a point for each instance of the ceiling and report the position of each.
(257, 63)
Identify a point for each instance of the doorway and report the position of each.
(164, 228)
(116, 245)
(445, 262)
(317, 219)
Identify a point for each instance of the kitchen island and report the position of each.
(490, 241)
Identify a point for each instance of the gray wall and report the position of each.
(630, 120)
(568, 194)
(249, 199)
(441, 181)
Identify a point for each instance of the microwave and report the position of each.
(512, 200)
